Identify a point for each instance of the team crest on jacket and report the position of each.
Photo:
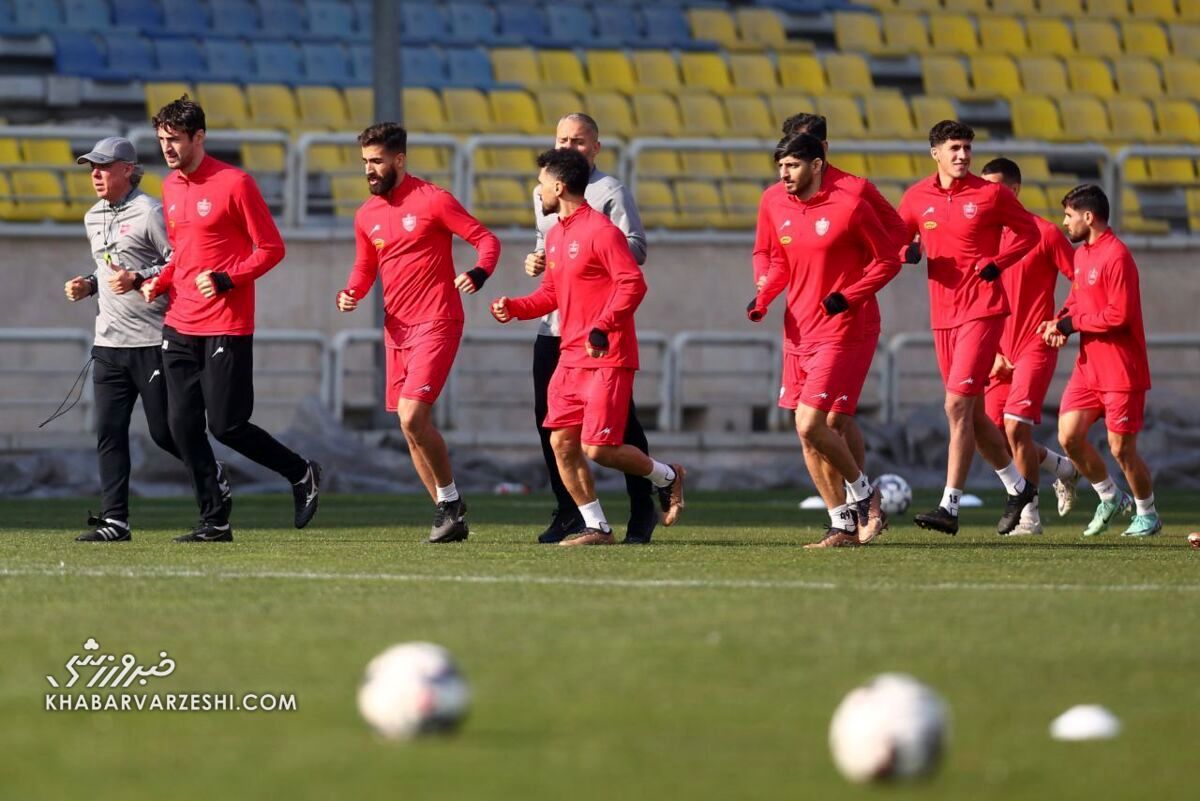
(409, 221)
(1093, 276)
(573, 249)
(822, 226)
(123, 230)
(969, 210)
(203, 207)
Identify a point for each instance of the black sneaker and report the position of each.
(225, 489)
(207, 532)
(1013, 506)
(562, 525)
(640, 529)
(306, 494)
(105, 530)
(450, 522)
(938, 520)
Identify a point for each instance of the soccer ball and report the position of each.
(892, 727)
(894, 494)
(413, 689)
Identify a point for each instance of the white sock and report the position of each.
(859, 489)
(950, 497)
(593, 516)
(1059, 466)
(660, 474)
(1106, 489)
(1030, 516)
(1014, 482)
(840, 517)
(447, 493)
(1146, 506)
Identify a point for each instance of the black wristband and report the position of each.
(912, 254)
(598, 339)
(477, 275)
(753, 312)
(93, 284)
(990, 272)
(222, 282)
(138, 280)
(835, 303)
(1065, 327)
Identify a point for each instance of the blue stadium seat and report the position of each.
(422, 23)
(185, 17)
(278, 62)
(228, 60)
(133, 55)
(78, 53)
(235, 18)
(142, 14)
(667, 27)
(180, 59)
(469, 67)
(87, 15)
(331, 19)
(471, 23)
(521, 25)
(618, 27)
(361, 64)
(423, 66)
(37, 15)
(284, 19)
(570, 26)
(326, 64)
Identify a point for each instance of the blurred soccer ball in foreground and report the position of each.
(894, 493)
(413, 689)
(890, 728)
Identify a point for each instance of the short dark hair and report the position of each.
(806, 123)
(1088, 197)
(1007, 168)
(568, 166)
(947, 130)
(391, 135)
(803, 146)
(183, 115)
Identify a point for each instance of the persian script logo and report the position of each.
(109, 671)
(378, 243)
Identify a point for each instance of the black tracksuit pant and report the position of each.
(212, 376)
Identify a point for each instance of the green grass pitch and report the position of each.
(706, 666)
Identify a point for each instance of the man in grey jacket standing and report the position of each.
(128, 238)
(609, 196)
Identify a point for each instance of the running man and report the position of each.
(403, 234)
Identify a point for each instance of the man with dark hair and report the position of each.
(594, 282)
(1112, 374)
(403, 234)
(1024, 364)
(961, 219)
(605, 194)
(224, 239)
(833, 258)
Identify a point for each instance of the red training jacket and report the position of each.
(1029, 286)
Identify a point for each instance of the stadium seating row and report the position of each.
(1165, 10)
(990, 75)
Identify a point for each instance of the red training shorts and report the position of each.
(1123, 412)
(966, 353)
(419, 363)
(594, 398)
(827, 375)
(1022, 396)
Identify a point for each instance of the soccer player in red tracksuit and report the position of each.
(1024, 365)
(594, 282)
(960, 218)
(223, 239)
(404, 232)
(833, 257)
(1112, 374)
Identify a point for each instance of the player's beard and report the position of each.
(386, 183)
(547, 209)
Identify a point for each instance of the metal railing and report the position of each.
(469, 168)
(54, 336)
(682, 342)
(1121, 181)
(321, 373)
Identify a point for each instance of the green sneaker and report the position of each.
(1143, 526)
(1105, 512)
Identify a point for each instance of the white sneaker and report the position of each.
(1065, 492)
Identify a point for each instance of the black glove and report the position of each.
(753, 312)
(990, 272)
(1065, 327)
(477, 275)
(598, 339)
(835, 303)
(912, 255)
(222, 282)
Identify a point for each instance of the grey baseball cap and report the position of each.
(106, 151)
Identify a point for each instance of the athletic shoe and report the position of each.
(226, 490)
(871, 519)
(590, 536)
(1025, 529)
(1014, 505)
(105, 530)
(938, 520)
(1105, 512)
(207, 532)
(641, 527)
(1143, 526)
(835, 538)
(306, 494)
(562, 524)
(670, 497)
(1065, 491)
(450, 522)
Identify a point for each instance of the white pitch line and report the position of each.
(568, 581)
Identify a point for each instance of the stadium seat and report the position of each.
(1171, 170)
(666, 26)
(283, 18)
(659, 163)
(1185, 40)
(904, 34)
(428, 159)
(334, 159)
(517, 66)
(426, 108)
(263, 157)
(995, 75)
(945, 75)
(326, 63)
(422, 23)
(1154, 9)
(610, 71)
(785, 104)
(554, 104)
(656, 70)
(185, 18)
(360, 105)
(515, 162)
(888, 116)
(706, 72)
(741, 199)
(656, 115)
(502, 201)
(1178, 120)
(715, 25)
(1132, 220)
(892, 166)
(699, 204)
(321, 108)
(1182, 77)
(1189, 10)
(1090, 76)
(523, 25)
(914, 5)
(855, 32)
(423, 66)
(78, 53)
(81, 196)
(1136, 171)
(180, 60)
(224, 105)
(470, 24)
(953, 33)
(749, 117)
(851, 162)
(160, 94)
(1138, 76)
(705, 163)
(703, 114)
(86, 15)
(1193, 209)
(1112, 9)
(1034, 198)
(51, 152)
(928, 110)
(802, 72)
(762, 29)
(613, 113)
(562, 69)
(1098, 37)
(1049, 36)
(329, 18)
(1132, 120)
(848, 73)
(469, 67)
(272, 106)
(515, 111)
(656, 203)
(40, 197)
(570, 26)
(227, 59)
(1045, 73)
(10, 151)
(617, 26)
(135, 14)
(467, 111)
(347, 191)
(1061, 8)
(1020, 8)
(753, 72)
(278, 62)
(235, 18)
(1001, 34)
(1035, 117)
(1084, 119)
(1145, 38)
(843, 116)
(130, 57)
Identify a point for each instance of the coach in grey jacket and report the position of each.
(605, 194)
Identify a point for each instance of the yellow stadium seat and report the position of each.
(842, 116)
(714, 25)
(894, 190)
(904, 34)
(749, 117)
(1171, 170)
(1193, 209)
(349, 192)
(8, 206)
(967, 6)
(945, 75)
(705, 163)
(753, 72)
(1138, 76)
(1132, 120)
(334, 159)
(502, 201)
(1044, 73)
(1145, 38)
(1090, 76)
(321, 108)
(1035, 117)
(1084, 119)
(802, 72)
(1185, 40)
(508, 161)
(919, 5)
(953, 33)
(761, 28)
(656, 202)
(1155, 9)
(423, 110)
(80, 194)
(1136, 171)
(1098, 37)
(703, 115)
(1022, 8)
(888, 116)
(606, 160)
(160, 94)
(152, 184)
(224, 105)
(272, 106)
(928, 110)
(1033, 197)
(754, 164)
(1189, 10)
(706, 72)
(613, 109)
(848, 73)
(785, 104)
(39, 196)
(1132, 219)
(516, 65)
(428, 159)
(851, 162)
(656, 115)
(514, 111)
(891, 166)
(55, 152)
(657, 71)
(1061, 8)
(1002, 34)
(1113, 9)
(699, 204)
(467, 111)
(857, 33)
(1033, 168)
(1182, 77)
(360, 106)
(263, 157)
(554, 104)
(995, 75)
(659, 163)
(741, 202)
(561, 68)
(10, 151)
(1178, 120)
(610, 71)
(1049, 37)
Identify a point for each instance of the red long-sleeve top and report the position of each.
(593, 281)
(406, 236)
(1029, 286)
(216, 220)
(960, 229)
(832, 242)
(1105, 307)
